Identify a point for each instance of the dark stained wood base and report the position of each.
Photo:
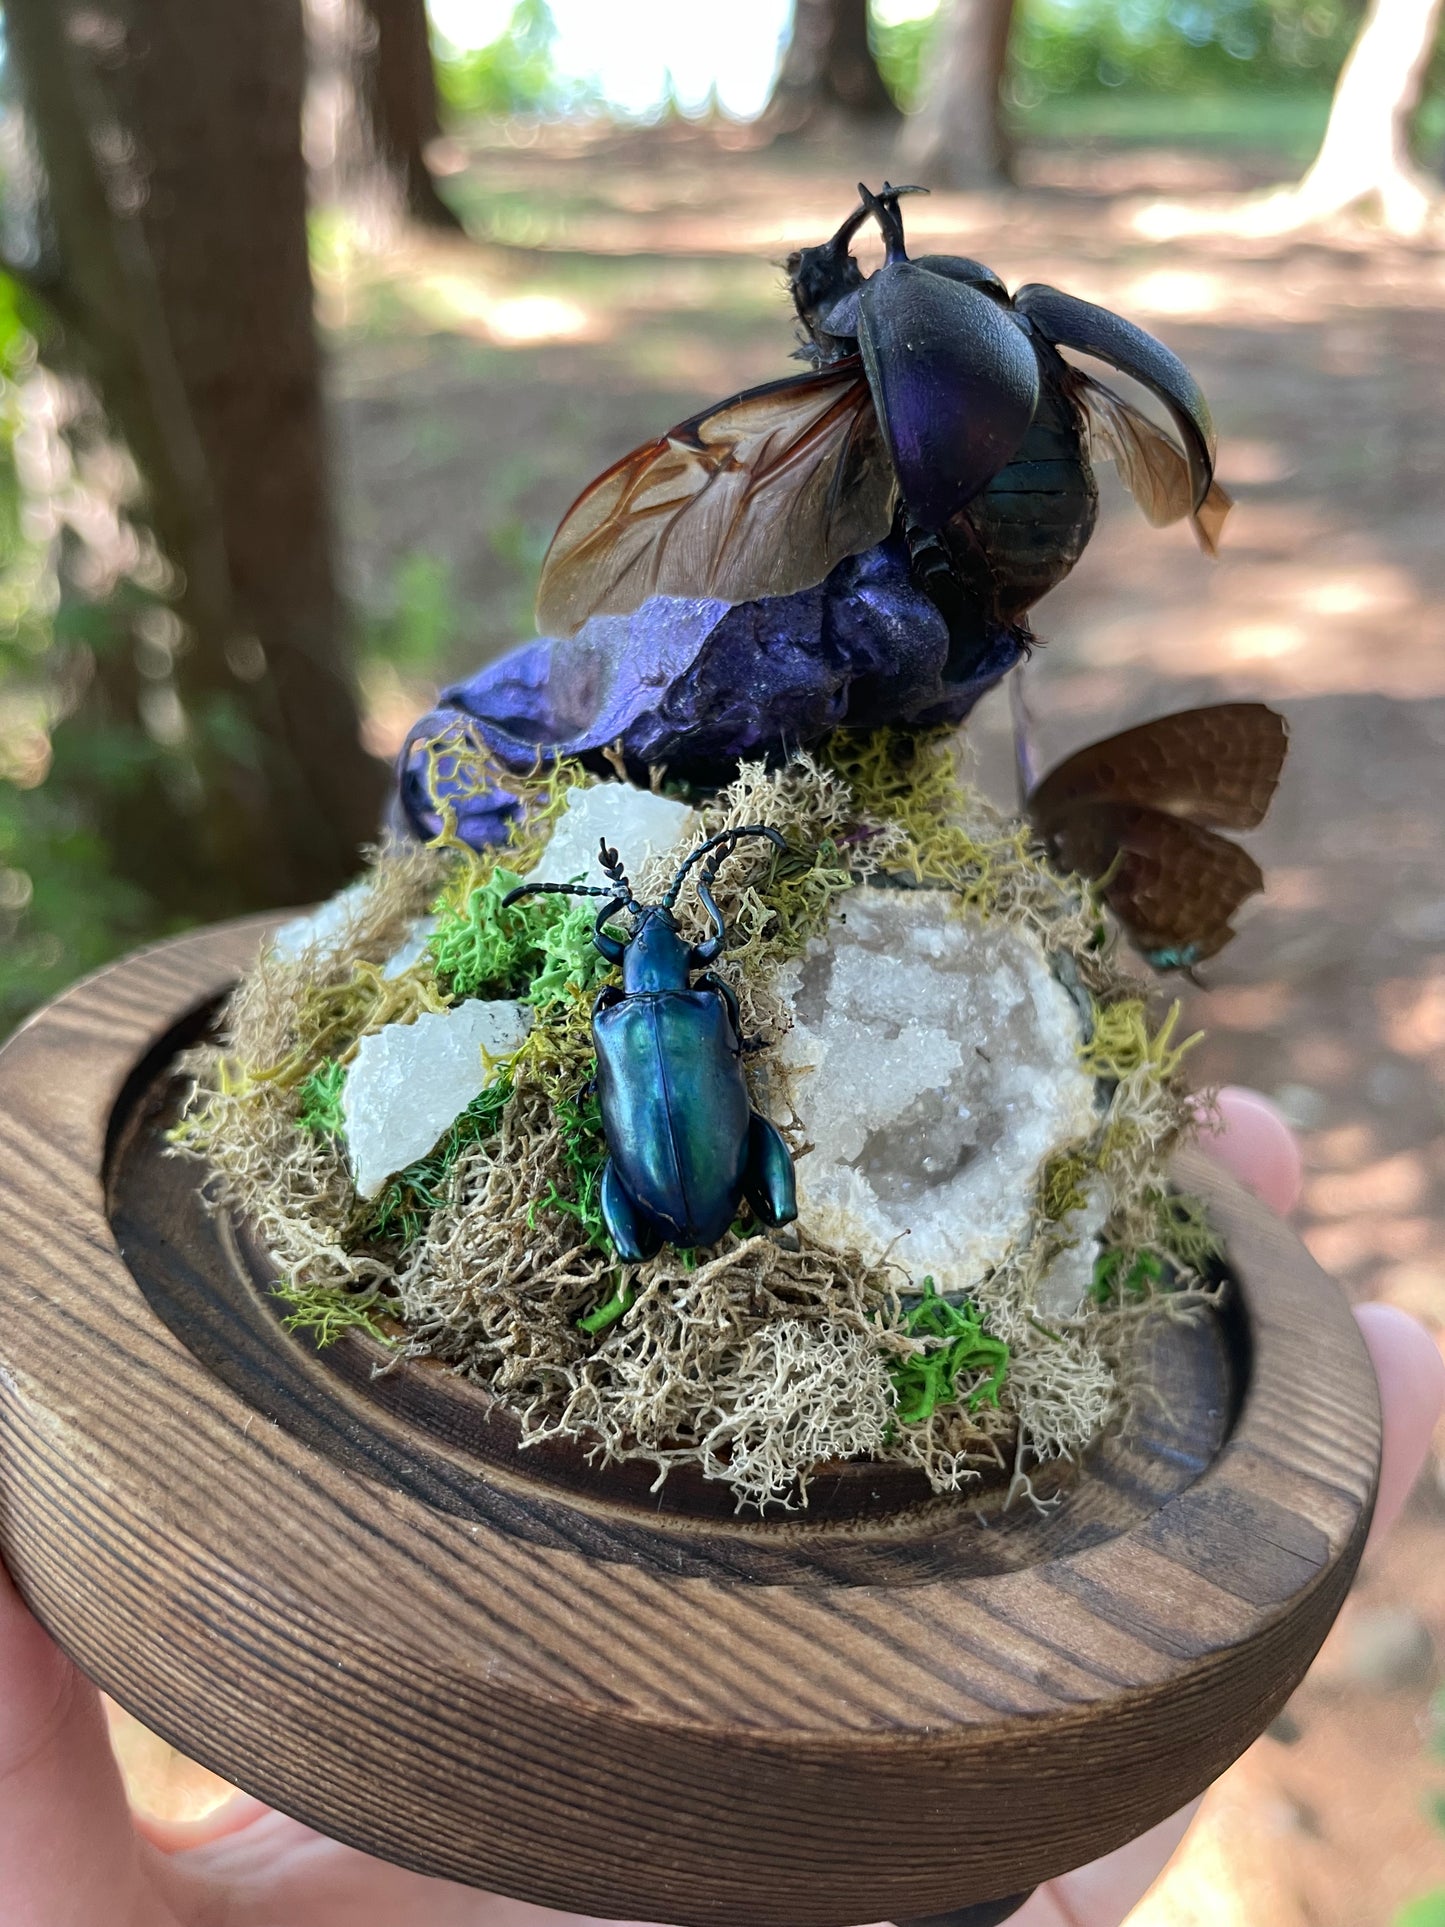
(357, 1598)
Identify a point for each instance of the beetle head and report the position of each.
(825, 280)
(655, 953)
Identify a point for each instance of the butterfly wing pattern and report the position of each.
(1140, 813)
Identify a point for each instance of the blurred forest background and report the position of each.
(314, 315)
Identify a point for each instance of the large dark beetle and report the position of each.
(685, 1145)
(936, 402)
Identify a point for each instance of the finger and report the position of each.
(68, 1855)
(178, 1836)
(1101, 1894)
(1412, 1397)
(1255, 1145)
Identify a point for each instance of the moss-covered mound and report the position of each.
(763, 1356)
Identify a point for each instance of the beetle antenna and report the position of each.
(611, 864)
(560, 890)
(723, 837)
(620, 890)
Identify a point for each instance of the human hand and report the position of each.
(72, 1854)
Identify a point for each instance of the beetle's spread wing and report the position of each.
(1215, 767)
(1173, 885)
(1151, 465)
(1068, 322)
(762, 495)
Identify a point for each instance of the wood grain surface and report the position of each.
(358, 1601)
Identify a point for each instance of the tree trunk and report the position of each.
(169, 133)
(371, 110)
(1365, 154)
(957, 138)
(828, 72)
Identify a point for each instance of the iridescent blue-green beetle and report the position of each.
(685, 1145)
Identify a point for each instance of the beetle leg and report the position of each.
(633, 1236)
(769, 1182)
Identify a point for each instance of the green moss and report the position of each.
(1062, 1184)
(584, 1150)
(928, 1380)
(1122, 1042)
(402, 1208)
(913, 781)
(537, 950)
(319, 1099)
(617, 1306)
(1121, 1274)
(328, 1312)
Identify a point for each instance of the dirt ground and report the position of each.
(618, 286)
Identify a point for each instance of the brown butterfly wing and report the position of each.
(1217, 767)
(762, 495)
(1151, 464)
(1174, 886)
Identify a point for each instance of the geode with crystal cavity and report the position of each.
(933, 1065)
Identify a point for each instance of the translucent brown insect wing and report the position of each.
(1174, 886)
(762, 495)
(1151, 464)
(1216, 767)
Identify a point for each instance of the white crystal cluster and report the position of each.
(933, 1066)
(408, 1082)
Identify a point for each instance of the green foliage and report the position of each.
(515, 74)
(408, 1199)
(617, 1306)
(63, 911)
(328, 1312)
(1120, 1274)
(1176, 46)
(1427, 1911)
(900, 47)
(416, 627)
(540, 950)
(1064, 48)
(584, 1150)
(930, 1379)
(319, 1099)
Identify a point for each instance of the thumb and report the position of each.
(68, 1854)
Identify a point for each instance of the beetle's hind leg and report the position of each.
(769, 1182)
(633, 1236)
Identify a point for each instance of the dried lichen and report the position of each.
(759, 1358)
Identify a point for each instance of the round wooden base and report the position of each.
(357, 1599)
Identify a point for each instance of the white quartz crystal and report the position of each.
(933, 1066)
(1063, 1291)
(325, 926)
(410, 953)
(636, 823)
(408, 1081)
